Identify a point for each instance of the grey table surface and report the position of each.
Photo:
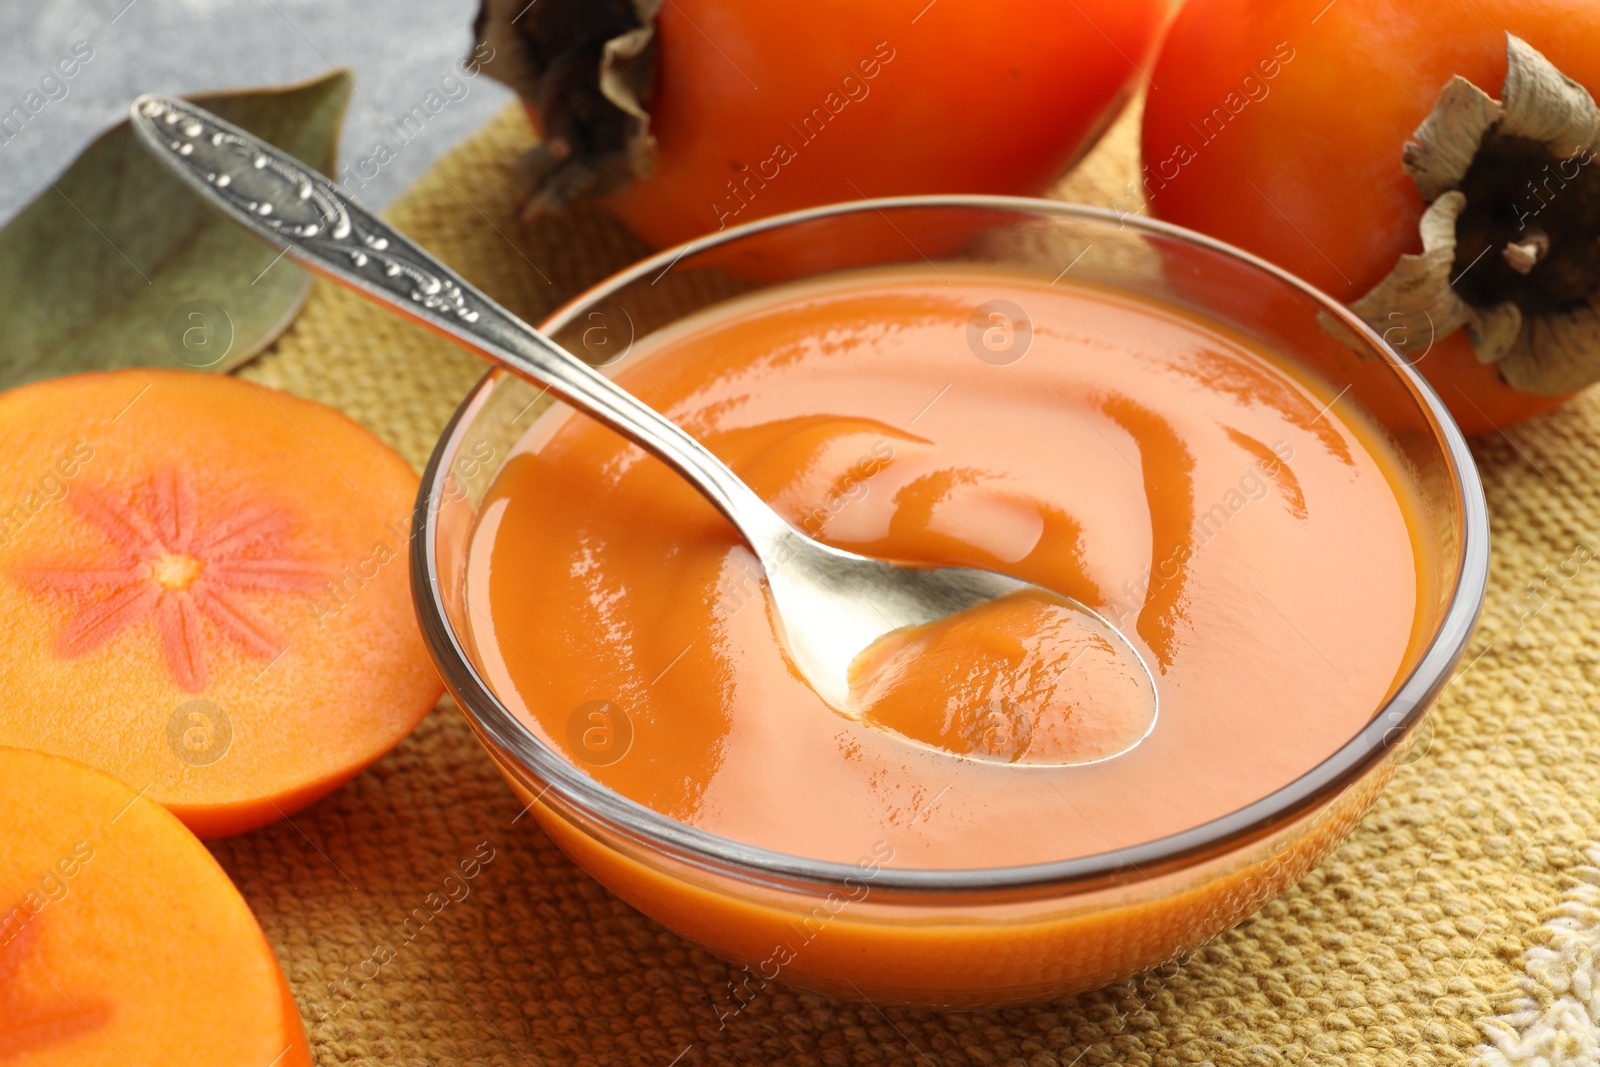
(397, 51)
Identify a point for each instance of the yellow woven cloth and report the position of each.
(1405, 947)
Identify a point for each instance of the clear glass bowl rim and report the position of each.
(1391, 722)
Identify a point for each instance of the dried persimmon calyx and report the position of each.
(1511, 237)
(586, 67)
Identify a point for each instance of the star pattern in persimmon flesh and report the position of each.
(188, 577)
(27, 1026)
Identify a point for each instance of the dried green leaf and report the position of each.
(117, 264)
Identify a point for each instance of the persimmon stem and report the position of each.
(1516, 174)
(1522, 256)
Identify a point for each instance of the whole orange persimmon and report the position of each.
(708, 113)
(1464, 225)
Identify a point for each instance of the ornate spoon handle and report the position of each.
(291, 206)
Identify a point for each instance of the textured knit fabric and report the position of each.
(1454, 924)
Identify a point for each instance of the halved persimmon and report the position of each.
(121, 939)
(204, 590)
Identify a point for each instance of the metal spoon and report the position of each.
(831, 604)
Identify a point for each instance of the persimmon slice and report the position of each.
(204, 591)
(121, 939)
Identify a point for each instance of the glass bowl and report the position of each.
(985, 937)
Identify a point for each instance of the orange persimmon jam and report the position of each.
(1246, 537)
